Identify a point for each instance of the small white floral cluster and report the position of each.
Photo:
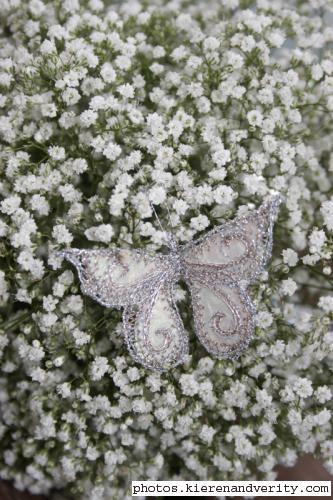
(204, 108)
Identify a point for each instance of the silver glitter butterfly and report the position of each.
(216, 268)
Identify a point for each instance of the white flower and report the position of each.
(288, 287)
(59, 361)
(290, 257)
(108, 73)
(112, 151)
(323, 394)
(71, 96)
(116, 203)
(123, 62)
(276, 38)
(326, 303)
(277, 349)
(64, 390)
(189, 385)
(99, 367)
(92, 453)
(234, 59)
(302, 387)
(179, 53)
(224, 195)
(255, 118)
(49, 109)
(126, 90)
(154, 382)
(248, 43)
(10, 204)
(57, 153)
(38, 375)
(157, 195)
(141, 406)
(61, 234)
(199, 223)
(47, 46)
(49, 303)
(88, 117)
(264, 319)
(180, 207)
(317, 239)
(47, 321)
(327, 213)
(34, 353)
(221, 462)
(244, 447)
(221, 156)
(211, 43)
(133, 374)
(40, 204)
(236, 395)
(267, 435)
(81, 338)
(207, 433)
(3, 228)
(69, 193)
(323, 417)
(317, 72)
(72, 304)
(103, 233)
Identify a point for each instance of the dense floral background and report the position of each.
(205, 107)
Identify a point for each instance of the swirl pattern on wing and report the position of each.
(237, 250)
(117, 277)
(154, 331)
(223, 316)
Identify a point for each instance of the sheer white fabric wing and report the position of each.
(142, 284)
(218, 266)
(117, 277)
(223, 315)
(154, 331)
(238, 249)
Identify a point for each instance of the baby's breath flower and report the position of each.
(288, 287)
(61, 234)
(326, 303)
(99, 368)
(290, 257)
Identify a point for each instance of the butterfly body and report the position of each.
(216, 269)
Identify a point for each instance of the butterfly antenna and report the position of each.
(157, 217)
(169, 216)
(168, 234)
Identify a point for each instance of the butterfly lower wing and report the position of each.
(117, 277)
(154, 332)
(223, 315)
(238, 249)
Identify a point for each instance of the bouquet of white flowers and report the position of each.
(202, 106)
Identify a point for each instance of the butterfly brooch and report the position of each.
(216, 269)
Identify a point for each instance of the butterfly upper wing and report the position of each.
(154, 331)
(238, 249)
(142, 284)
(117, 277)
(214, 267)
